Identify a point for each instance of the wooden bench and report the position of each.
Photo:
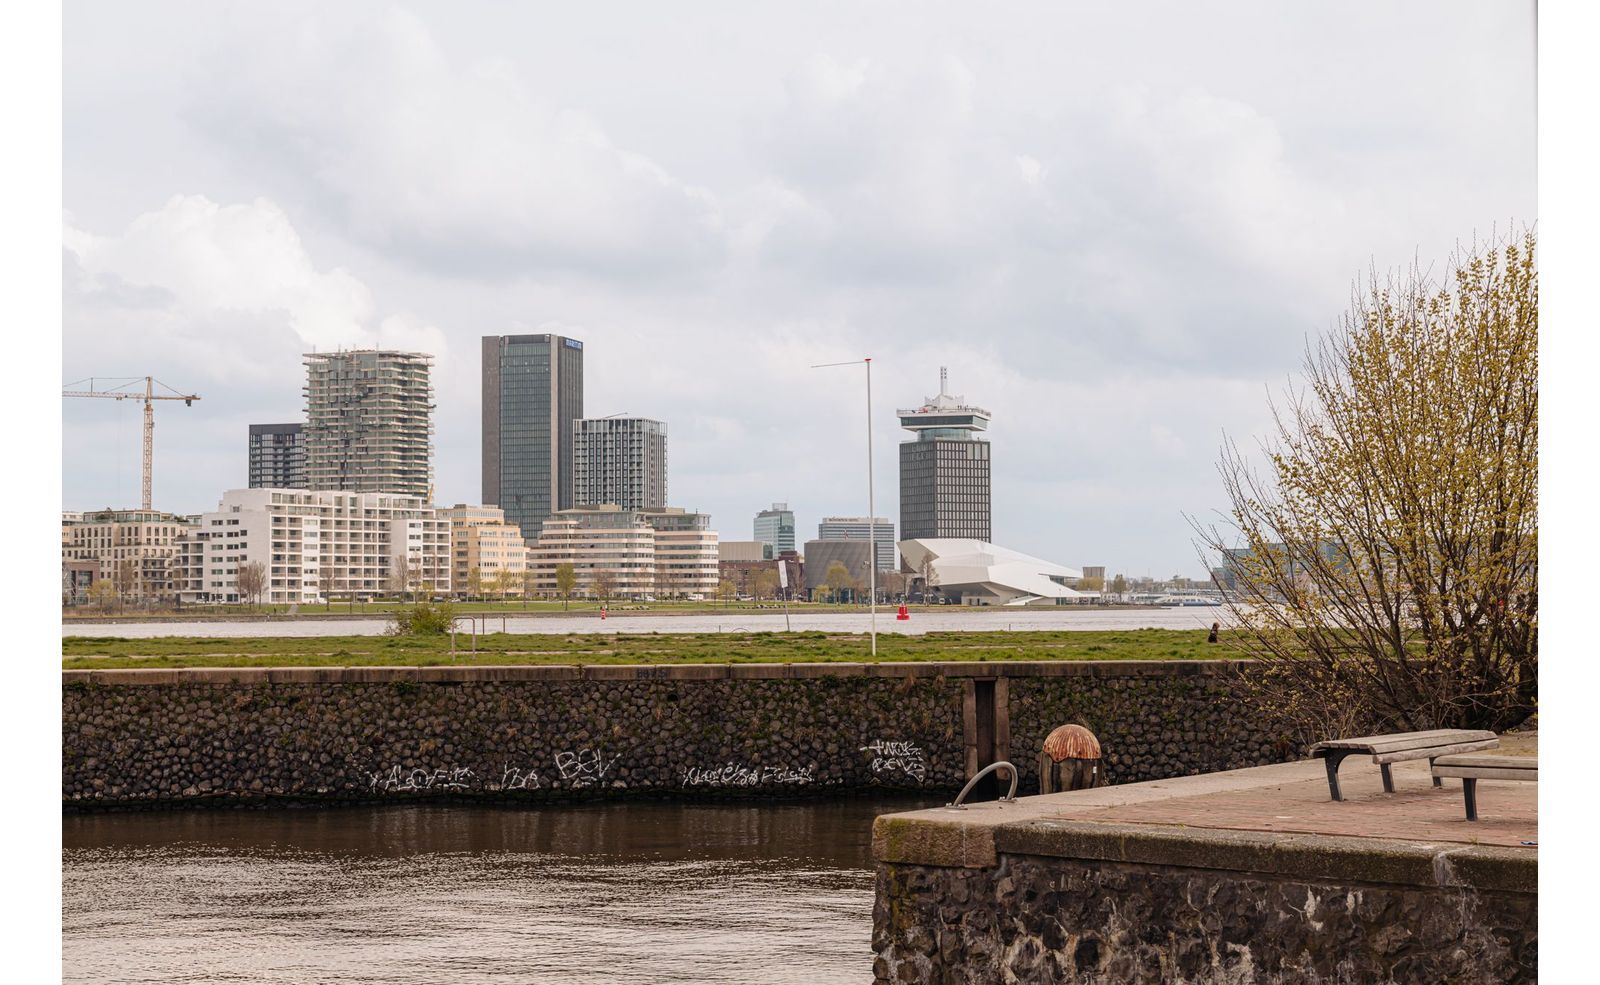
(1471, 769)
(1399, 747)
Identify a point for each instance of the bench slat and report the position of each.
(1407, 740)
(1435, 751)
(1500, 762)
(1485, 773)
(1396, 743)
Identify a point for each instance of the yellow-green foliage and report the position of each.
(1390, 572)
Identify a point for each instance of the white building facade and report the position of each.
(981, 573)
(667, 553)
(879, 530)
(317, 546)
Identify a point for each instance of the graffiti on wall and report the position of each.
(746, 775)
(397, 779)
(898, 759)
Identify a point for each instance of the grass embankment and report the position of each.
(89, 653)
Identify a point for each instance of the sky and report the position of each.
(1118, 225)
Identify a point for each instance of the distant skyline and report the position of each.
(1117, 226)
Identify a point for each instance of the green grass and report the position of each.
(90, 653)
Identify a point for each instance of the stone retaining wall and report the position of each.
(1144, 923)
(1149, 728)
(343, 735)
(1120, 906)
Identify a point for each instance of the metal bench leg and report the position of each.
(1469, 789)
(1332, 761)
(1388, 778)
(1436, 781)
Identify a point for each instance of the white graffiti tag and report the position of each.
(585, 767)
(743, 775)
(419, 779)
(898, 757)
(514, 778)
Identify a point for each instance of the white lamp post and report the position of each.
(872, 511)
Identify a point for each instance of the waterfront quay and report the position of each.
(262, 736)
(1250, 875)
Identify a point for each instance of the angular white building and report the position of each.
(980, 573)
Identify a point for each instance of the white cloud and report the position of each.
(242, 258)
(457, 166)
(221, 300)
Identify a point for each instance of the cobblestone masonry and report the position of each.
(1150, 728)
(156, 738)
(1048, 920)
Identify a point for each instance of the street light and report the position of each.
(872, 510)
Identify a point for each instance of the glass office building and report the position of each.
(277, 456)
(532, 394)
(775, 529)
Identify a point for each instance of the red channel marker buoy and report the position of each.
(903, 614)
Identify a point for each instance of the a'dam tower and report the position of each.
(944, 470)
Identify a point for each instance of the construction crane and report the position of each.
(120, 392)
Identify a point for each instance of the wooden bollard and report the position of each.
(1070, 760)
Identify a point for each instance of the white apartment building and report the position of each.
(686, 553)
(668, 553)
(317, 546)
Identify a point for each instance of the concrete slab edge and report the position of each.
(1314, 858)
(640, 672)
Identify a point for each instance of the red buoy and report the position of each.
(903, 614)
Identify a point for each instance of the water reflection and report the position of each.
(628, 893)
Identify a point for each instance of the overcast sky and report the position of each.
(1117, 225)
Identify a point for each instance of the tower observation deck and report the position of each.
(944, 416)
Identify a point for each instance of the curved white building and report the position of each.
(983, 574)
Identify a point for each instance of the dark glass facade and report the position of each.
(277, 456)
(944, 488)
(532, 392)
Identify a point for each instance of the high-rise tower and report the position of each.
(532, 392)
(619, 460)
(369, 423)
(944, 471)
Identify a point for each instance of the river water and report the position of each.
(955, 619)
(427, 894)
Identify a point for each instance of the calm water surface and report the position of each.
(619, 893)
(957, 619)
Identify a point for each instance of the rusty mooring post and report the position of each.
(1070, 760)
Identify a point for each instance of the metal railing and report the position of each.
(477, 624)
(1010, 796)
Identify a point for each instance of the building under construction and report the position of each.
(369, 422)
